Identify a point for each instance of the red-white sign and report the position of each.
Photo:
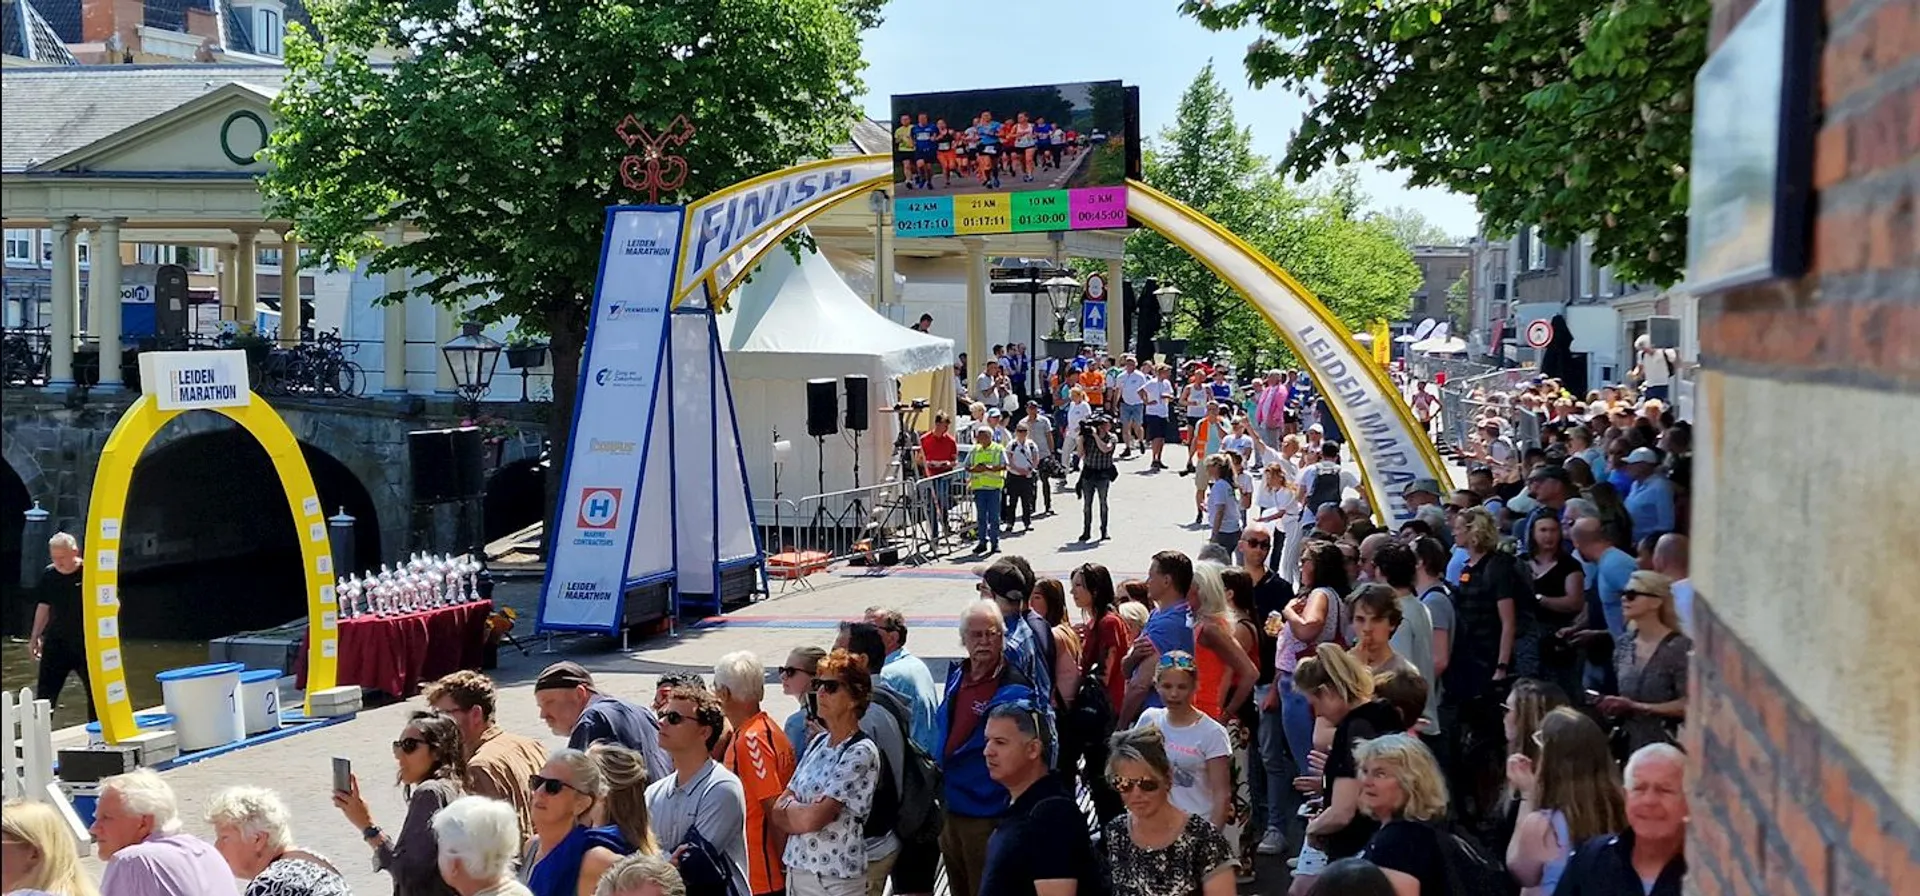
(1096, 287)
(1539, 333)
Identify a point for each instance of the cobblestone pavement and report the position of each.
(1150, 513)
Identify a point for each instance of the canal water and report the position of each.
(144, 658)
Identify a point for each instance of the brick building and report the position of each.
(1805, 714)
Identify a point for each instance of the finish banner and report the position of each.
(614, 416)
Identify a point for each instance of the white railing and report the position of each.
(27, 768)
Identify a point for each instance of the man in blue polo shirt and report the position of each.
(1608, 569)
(1170, 627)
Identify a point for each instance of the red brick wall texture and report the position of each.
(1779, 806)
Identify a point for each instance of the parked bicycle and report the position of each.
(24, 356)
(317, 368)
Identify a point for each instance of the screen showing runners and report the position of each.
(1013, 160)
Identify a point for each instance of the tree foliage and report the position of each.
(493, 141)
(1352, 262)
(1412, 228)
(1570, 115)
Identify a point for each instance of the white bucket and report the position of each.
(204, 701)
(260, 700)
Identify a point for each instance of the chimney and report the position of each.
(97, 20)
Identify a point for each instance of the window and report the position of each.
(1536, 250)
(20, 247)
(83, 249)
(267, 33)
(267, 258)
(148, 253)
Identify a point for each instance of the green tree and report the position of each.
(1206, 160)
(493, 136)
(1412, 228)
(1566, 114)
(1460, 304)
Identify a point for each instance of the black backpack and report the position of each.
(1326, 486)
(1471, 870)
(911, 809)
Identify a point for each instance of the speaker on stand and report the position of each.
(823, 411)
(856, 417)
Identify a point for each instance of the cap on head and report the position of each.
(563, 674)
(1423, 484)
(1007, 578)
(1643, 456)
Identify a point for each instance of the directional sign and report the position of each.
(1093, 322)
(1539, 333)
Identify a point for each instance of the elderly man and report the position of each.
(136, 826)
(1650, 503)
(975, 802)
(59, 641)
(700, 795)
(762, 758)
(1009, 582)
(570, 706)
(1042, 847)
(641, 874)
(1670, 560)
(1421, 492)
(498, 762)
(1647, 859)
(908, 676)
(987, 479)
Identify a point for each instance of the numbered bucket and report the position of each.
(205, 702)
(259, 700)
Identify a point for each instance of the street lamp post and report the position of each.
(1060, 292)
(472, 356)
(1168, 296)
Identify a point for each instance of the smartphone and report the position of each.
(342, 774)
(1593, 696)
(813, 706)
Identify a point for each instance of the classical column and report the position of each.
(66, 301)
(1116, 308)
(229, 290)
(105, 289)
(290, 309)
(977, 354)
(443, 330)
(247, 287)
(883, 251)
(393, 331)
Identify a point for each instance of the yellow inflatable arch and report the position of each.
(730, 231)
(100, 577)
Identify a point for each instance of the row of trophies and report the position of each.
(424, 582)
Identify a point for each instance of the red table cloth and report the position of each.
(397, 654)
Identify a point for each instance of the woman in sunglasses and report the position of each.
(1158, 847)
(567, 854)
(1650, 664)
(432, 766)
(796, 681)
(826, 803)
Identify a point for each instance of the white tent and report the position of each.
(797, 321)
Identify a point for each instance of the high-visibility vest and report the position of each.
(990, 453)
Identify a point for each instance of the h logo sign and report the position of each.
(599, 508)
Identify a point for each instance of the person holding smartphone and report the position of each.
(432, 766)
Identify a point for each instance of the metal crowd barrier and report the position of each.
(875, 525)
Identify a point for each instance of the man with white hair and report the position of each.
(479, 838)
(641, 874)
(1653, 367)
(1646, 859)
(58, 641)
(761, 757)
(136, 825)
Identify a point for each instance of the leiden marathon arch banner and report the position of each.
(615, 531)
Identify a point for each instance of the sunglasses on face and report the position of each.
(828, 685)
(1256, 542)
(1129, 785)
(791, 671)
(408, 744)
(1630, 595)
(552, 786)
(674, 717)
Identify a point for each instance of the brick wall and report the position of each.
(1793, 798)
(1779, 807)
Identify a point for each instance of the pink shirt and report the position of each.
(168, 865)
(1273, 406)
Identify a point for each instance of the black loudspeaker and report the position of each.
(823, 406)
(857, 403)
(446, 464)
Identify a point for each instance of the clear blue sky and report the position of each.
(927, 45)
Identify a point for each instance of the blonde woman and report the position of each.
(37, 852)
(568, 854)
(1224, 514)
(1650, 664)
(1156, 846)
(1402, 790)
(1339, 688)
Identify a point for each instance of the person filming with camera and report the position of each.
(1097, 472)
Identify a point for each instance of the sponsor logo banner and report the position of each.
(608, 448)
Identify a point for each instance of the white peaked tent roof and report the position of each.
(799, 320)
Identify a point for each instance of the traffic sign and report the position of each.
(1093, 321)
(1096, 288)
(1539, 333)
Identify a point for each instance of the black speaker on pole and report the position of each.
(823, 407)
(447, 464)
(857, 392)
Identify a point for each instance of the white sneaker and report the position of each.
(1273, 844)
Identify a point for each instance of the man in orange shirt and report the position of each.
(761, 757)
(1094, 380)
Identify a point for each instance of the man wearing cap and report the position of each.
(987, 479)
(1421, 492)
(1550, 486)
(1009, 582)
(570, 706)
(1650, 502)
